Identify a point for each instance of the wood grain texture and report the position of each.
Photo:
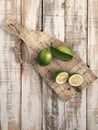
(92, 92)
(37, 40)
(53, 107)
(31, 82)
(10, 71)
(21, 106)
(76, 35)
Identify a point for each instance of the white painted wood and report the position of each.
(53, 107)
(31, 82)
(92, 93)
(10, 71)
(13, 98)
(76, 36)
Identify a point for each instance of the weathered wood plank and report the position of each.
(35, 41)
(31, 82)
(10, 71)
(53, 107)
(75, 34)
(92, 93)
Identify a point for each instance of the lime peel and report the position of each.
(62, 55)
(65, 50)
(44, 57)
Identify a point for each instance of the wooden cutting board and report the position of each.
(37, 40)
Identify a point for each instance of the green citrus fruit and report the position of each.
(63, 53)
(75, 80)
(61, 77)
(65, 50)
(44, 57)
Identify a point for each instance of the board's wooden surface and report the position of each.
(26, 102)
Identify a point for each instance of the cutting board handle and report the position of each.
(12, 27)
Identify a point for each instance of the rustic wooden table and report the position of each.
(26, 102)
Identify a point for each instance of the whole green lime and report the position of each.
(44, 57)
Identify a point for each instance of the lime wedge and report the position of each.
(65, 50)
(61, 77)
(64, 54)
(75, 80)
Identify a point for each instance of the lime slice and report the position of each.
(61, 77)
(75, 80)
(62, 54)
(44, 57)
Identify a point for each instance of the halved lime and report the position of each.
(61, 77)
(44, 57)
(75, 80)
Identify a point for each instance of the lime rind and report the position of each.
(44, 57)
(65, 50)
(57, 73)
(60, 55)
